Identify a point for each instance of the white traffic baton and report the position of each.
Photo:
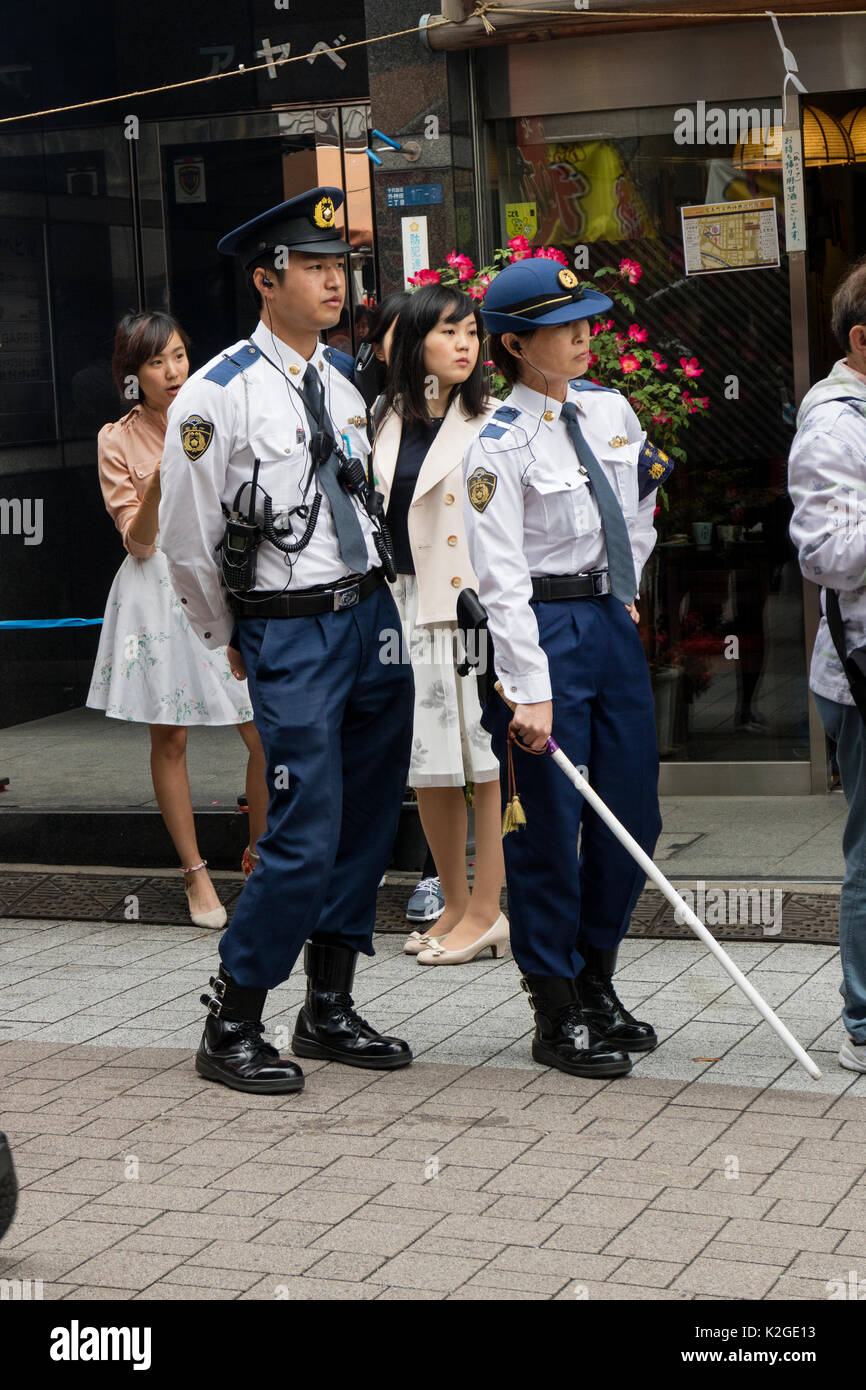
(683, 910)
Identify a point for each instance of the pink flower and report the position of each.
(631, 270)
(663, 418)
(476, 292)
(596, 329)
(520, 248)
(687, 400)
(702, 401)
(628, 363)
(619, 338)
(658, 362)
(690, 366)
(637, 334)
(592, 359)
(462, 264)
(425, 277)
(484, 281)
(488, 364)
(550, 253)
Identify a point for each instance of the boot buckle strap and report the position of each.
(215, 1002)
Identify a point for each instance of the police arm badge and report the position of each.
(195, 436)
(480, 486)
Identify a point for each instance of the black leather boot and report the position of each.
(601, 1007)
(8, 1187)
(328, 1025)
(563, 1037)
(232, 1050)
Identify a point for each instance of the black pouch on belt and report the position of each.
(477, 647)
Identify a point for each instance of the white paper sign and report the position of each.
(792, 184)
(416, 256)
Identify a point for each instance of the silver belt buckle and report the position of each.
(601, 583)
(346, 598)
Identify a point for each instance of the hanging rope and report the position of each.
(482, 9)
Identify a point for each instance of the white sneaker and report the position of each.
(853, 1055)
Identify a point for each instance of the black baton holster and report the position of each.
(477, 646)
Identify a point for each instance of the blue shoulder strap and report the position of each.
(506, 413)
(580, 385)
(342, 361)
(230, 367)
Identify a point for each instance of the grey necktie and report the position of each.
(350, 533)
(620, 562)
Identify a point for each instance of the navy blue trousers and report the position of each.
(603, 719)
(336, 725)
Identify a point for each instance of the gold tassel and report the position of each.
(514, 816)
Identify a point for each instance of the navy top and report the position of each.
(415, 443)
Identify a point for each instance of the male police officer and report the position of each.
(309, 605)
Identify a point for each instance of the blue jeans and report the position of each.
(844, 725)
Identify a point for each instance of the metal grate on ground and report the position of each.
(160, 901)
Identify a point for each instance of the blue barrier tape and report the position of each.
(50, 622)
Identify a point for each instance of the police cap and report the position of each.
(535, 292)
(305, 223)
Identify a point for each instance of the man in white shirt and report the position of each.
(301, 580)
(827, 483)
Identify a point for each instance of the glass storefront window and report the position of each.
(722, 607)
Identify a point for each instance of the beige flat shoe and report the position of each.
(216, 917)
(495, 938)
(416, 941)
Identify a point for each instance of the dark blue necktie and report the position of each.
(620, 562)
(350, 533)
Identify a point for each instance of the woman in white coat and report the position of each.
(436, 404)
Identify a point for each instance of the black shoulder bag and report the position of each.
(854, 665)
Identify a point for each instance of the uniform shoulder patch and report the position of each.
(195, 436)
(508, 413)
(225, 371)
(580, 385)
(653, 468)
(480, 485)
(344, 364)
(492, 432)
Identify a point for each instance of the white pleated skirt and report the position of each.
(151, 668)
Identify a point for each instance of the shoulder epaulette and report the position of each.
(508, 413)
(580, 385)
(230, 367)
(653, 468)
(344, 364)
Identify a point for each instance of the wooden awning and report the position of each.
(485, 23)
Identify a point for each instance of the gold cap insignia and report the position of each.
(324, 212)
(195, 436)
(657, 470)
(568, 280)
(618, 441)
(480, 486)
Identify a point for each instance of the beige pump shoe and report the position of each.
(496, 938)
(216, 917)
(416, 942)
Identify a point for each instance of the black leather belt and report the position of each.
(546, 588)
(306, 603)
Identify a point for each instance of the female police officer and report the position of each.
(560, 491)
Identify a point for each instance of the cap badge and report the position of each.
(323, 212)
(568, 280)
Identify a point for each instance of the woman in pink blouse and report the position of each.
(151, 668)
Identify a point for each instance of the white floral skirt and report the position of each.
(151, 668)
(449, 746)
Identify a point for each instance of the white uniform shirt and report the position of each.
(827, 485)
(255, 415)
(541, 517)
